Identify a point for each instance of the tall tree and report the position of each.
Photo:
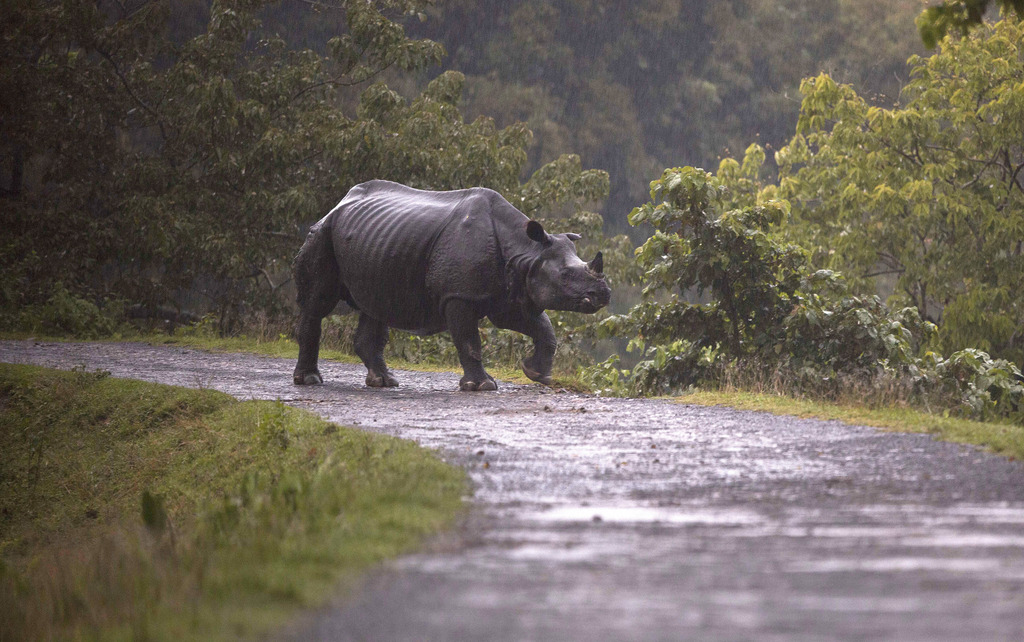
(636, 87)
(960, 16)
(930, 192)
(168, 163)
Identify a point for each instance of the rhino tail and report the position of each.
(315, 270)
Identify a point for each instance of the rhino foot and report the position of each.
(536, 376)
(308, 379)
(385, 380)
(472, 386)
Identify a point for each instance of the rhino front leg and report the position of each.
(371, 337)
(538, 365)
(463, 324)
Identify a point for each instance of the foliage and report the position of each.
(134, 510)
(770, 313)
(768, 307)
(180, 168)
(65, 314)
(986, 388)
(959, 16)
(928, 194)
(643, 85)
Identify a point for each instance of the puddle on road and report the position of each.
(964, 540)
(676, 516)
(865, 605)
(902, 565)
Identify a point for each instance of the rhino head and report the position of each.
(555, 278)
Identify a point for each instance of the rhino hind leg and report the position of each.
(462, 321)
(318, 290)
(371, 337)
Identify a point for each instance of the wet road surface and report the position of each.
(616, 519)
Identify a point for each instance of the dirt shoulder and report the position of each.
(637, 519)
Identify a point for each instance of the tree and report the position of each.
(959, 16)
(929, 193)
(178, 165)
(765, 310)
(636, 87)
(60, 112)
(766, 316)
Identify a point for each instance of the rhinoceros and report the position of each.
(424, 262)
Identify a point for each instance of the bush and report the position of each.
(66, 314)
(769, 309)
(771, 316)
(985, 388)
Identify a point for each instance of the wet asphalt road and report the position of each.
(613, 519)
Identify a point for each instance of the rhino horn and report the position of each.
(597, 265)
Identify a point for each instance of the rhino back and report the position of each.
(403, 252)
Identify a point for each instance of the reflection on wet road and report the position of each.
(611, 519)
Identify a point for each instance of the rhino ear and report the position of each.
(536, 232)
(573, 237)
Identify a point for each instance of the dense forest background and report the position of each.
(636, 87)
(839, 200)
(206, 135)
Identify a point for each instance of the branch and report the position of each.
(273, 288)
(981, 172)
(319, 5)
(263, 272)
(891, 147)
(128, 13)
(334, 81)
(127, 86)
(1015, 179)
(881, 272)
(890, 260)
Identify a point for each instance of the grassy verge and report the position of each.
(131, 510)
(1005, 439)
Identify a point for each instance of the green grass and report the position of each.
(252, 510)
(1005, 439)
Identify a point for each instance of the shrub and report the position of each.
(67, 314)
(763, 311)
(983, 387)
(769, 309)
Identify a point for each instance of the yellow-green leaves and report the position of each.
(958, 17)
(927, 194)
